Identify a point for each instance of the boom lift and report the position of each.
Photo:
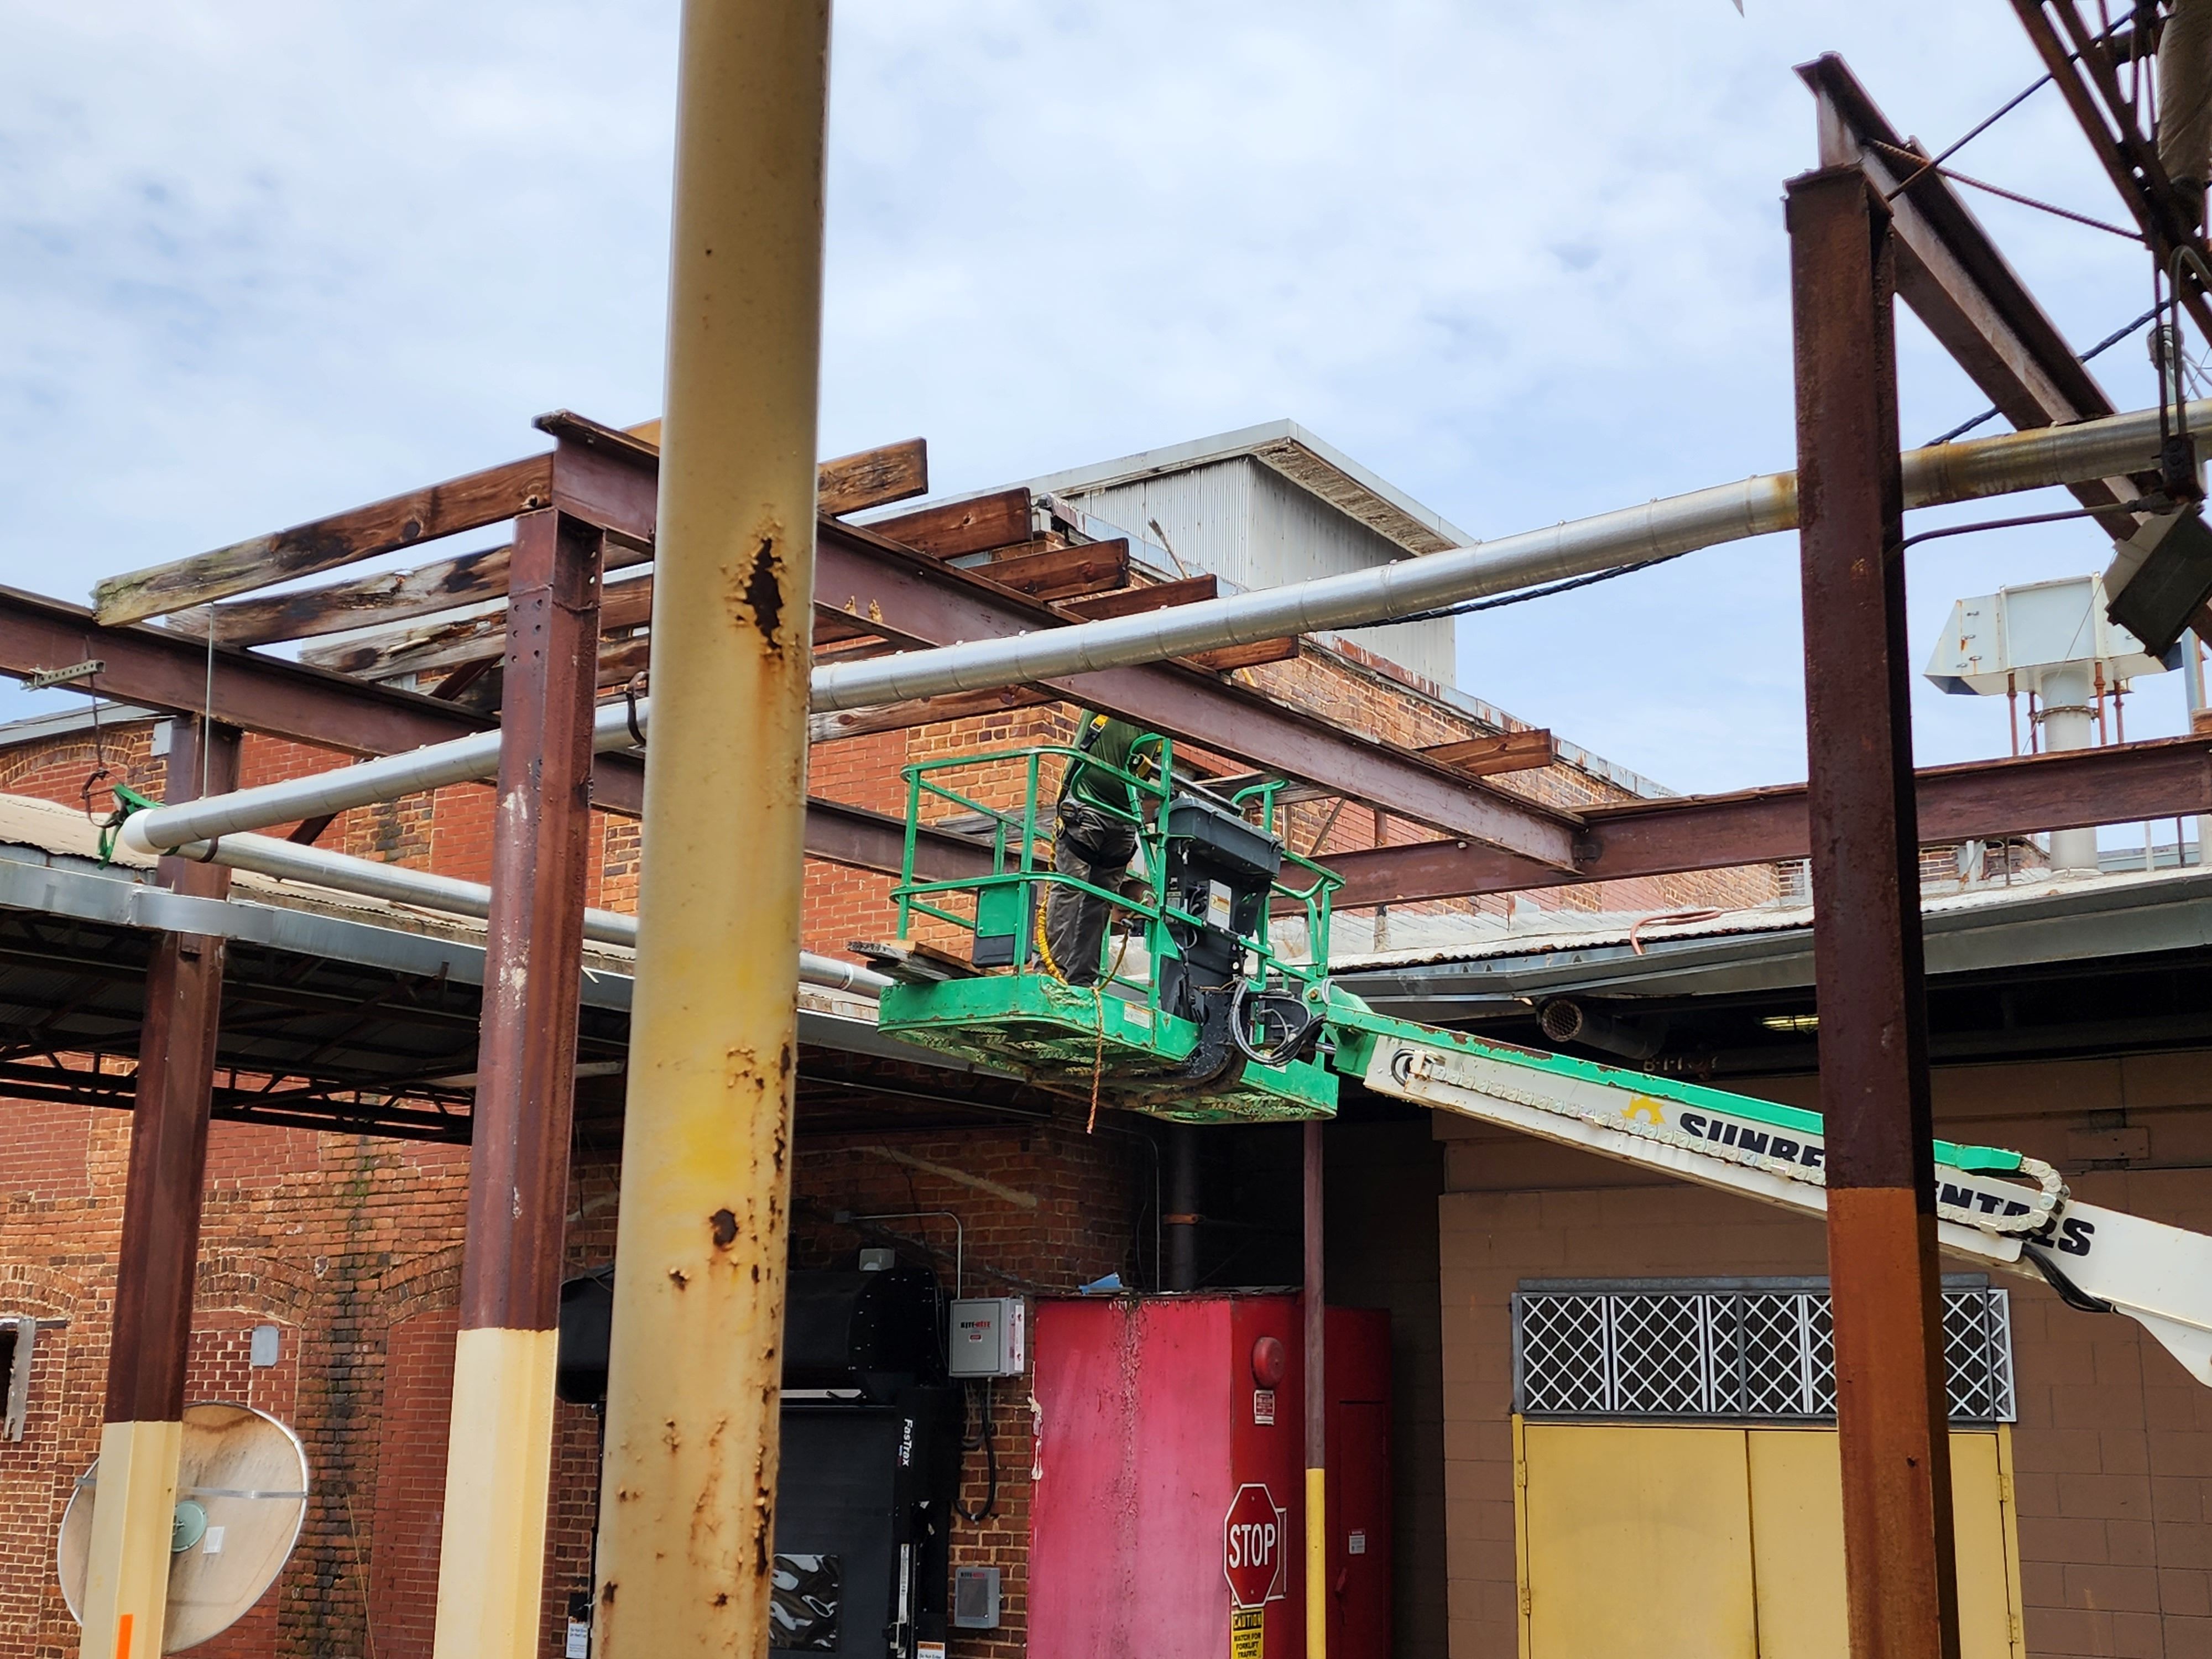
(1213, 1004)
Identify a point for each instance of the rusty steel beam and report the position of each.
(169, 671)
(1960, 286)
(864, 840)
(2123, 783)
(128, 1576)
(861, 573)
(490, 1578)
(2079, 59)
(157, 668)
(1893, 1421)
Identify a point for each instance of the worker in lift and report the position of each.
(1094, 837)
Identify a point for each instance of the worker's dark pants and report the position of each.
(1094, 846)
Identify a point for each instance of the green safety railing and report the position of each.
(1009, 901)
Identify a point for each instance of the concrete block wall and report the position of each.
(2112, 1450)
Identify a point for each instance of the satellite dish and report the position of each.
(241, 1497)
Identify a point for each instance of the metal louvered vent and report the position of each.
(1727, 1350)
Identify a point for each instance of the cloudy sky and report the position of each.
(258, 260)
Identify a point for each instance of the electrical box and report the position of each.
(975, 1598)
(989, 1338)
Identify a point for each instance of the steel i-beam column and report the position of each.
(1315, 1307)
(1901, 1590)
(127, 1578)
(491, 1555)
(688, 1488)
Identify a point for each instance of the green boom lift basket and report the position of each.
(1217, 923)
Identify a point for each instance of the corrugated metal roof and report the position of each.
(339, 1012)
(2050, 920)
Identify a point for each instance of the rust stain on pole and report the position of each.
(1900, 1583)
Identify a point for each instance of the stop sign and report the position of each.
(1252, 1546)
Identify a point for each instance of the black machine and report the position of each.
(870, 1454)
(1220, 867)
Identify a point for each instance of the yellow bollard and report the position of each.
(689, 1485)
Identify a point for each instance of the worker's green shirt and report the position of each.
(1093, 784)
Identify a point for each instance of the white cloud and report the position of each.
(258, 261)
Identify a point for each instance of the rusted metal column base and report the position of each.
(127, 1577)
(1901, 1590)
(1887, 1282)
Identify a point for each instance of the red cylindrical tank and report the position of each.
(1169, 1487)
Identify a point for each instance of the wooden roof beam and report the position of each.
(583, 474)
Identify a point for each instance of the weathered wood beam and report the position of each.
(976, 526)
(868, 478)
(1061, 573)
(1066, 572)
(447, 510)
(1251, 654)
(1508, 752)
(873, 477)
(389, 597)
(1133, 601)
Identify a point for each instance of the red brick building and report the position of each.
(347, 1240)
(350, 1245)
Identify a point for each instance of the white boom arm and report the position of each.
(2000, 1207)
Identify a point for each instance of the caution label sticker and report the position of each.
(1247, 1628)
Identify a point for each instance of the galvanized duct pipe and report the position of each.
(289, 861)
(2185, 101)
(1760, 506)
(1564, 1020)
(1678, 524)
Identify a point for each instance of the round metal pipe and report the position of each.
(386, 778)
(2069, 723)
(289, 861)
(1679, 524)
(1565, 1020)
(1760, 506)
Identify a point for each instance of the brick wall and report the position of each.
(2113, 1451)
(410, 1485)
(335, 1239)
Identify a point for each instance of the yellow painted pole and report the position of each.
(689, 1485)
(1316, 1391)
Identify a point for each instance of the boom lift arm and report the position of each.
(1214, 1004)
(2011, 1211)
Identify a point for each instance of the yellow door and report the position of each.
(1797, 1545)
(1636, 1543)
(1695, 1543)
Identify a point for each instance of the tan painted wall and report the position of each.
(2113, 1448)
